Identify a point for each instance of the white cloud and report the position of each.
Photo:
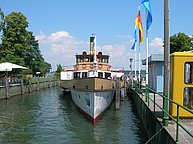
(59, 36)
(156, 45)
(60, 48)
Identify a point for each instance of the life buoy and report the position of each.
(83, 66)
(100, 66)
(91, 66)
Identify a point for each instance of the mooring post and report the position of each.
(7, 87)
(125, 86)
(38, 85)
(22, 88)
(44, 82)
(30, 85)
(54, 81)
(49, 82)
(117, 93)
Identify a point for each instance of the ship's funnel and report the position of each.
(91, 44)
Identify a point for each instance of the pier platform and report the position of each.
(182, 137)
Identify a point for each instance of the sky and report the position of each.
(63, 27)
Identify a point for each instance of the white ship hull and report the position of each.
(93, 103)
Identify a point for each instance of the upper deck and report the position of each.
(85, 61)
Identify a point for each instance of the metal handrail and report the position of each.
(138, 87)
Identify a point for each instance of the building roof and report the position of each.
(154, 58)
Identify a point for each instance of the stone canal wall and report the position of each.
(153, 126)
(9, 90)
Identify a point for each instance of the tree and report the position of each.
(58, 70)
(14, 35)
(2, 18)
(20, 46)
(181, 42)
(34, 58)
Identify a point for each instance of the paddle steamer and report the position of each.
(91, 82)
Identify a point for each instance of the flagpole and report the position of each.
(139, 63)
(139, 77)
(135, 57)
(135, 62)
(147, 49)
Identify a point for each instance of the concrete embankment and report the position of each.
(155, 130)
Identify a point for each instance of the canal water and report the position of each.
(49, 117)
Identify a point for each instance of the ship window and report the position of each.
(99, 60)
(91, 59)
(188, 73)
(188, 98)
(84, 74)
(107, 75)
(77, 60)
(100, 75)
(106, 60)
(77, 75)
(87, 101)
(81, 60)
(86, 59)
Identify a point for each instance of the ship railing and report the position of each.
(145, 91)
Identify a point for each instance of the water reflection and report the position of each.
(115, 126)
(48, 116)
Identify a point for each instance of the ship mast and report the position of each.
(93, 51)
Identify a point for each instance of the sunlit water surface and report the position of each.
(49, 117)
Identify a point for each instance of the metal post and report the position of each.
(148, 97)
(146, 93)
(22, 87)
(117, 93)
(7, 87)
(177, 126)
(131, 73)
(147, 50)
(154, 102)
(166, 61)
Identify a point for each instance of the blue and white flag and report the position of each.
(135, 38)
(146, 4)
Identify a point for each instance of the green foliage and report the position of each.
(12, 59)
(1, 21)
(19, 46)
(15, 35)
(33, 57)
(181, 42)
(59, 69)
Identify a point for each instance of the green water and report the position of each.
(49, 117)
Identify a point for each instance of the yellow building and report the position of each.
(181, 78)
